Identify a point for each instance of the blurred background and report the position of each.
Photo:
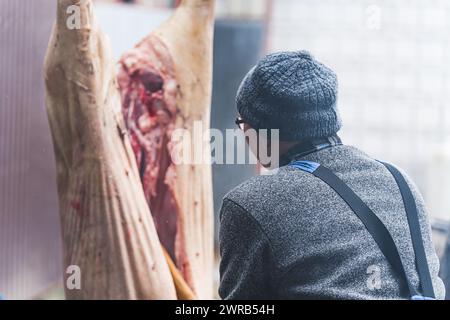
(391, 57)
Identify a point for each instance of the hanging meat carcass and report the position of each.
(165, 83)
(107, 228)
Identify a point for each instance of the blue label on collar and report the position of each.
(307, 166)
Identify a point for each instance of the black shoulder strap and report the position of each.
(373, 224)
(414, 228)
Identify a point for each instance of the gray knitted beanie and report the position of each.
(292, 92)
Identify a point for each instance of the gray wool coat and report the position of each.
(290, 236)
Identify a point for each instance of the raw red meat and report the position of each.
(149, 95)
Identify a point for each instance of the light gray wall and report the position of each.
(238, 44)
(29, 223)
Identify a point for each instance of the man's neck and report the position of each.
(285, 146)
(291, 150)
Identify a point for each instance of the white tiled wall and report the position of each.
(393, 63)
